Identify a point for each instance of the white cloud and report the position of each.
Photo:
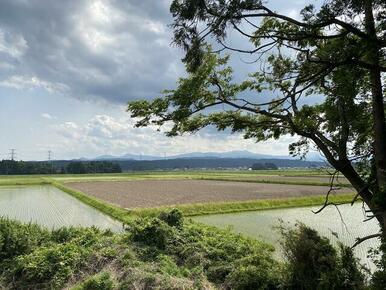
(21, 82)
(104, 134)
(47, 116)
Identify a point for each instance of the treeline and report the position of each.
(22, 167)
(213, 163)
(12, 167)
(264, 166)
(80, 167)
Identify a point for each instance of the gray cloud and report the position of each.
(110, 49)
(91, 49)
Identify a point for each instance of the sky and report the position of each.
(68, 69)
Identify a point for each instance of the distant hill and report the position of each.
(203, 163)
(207, 155)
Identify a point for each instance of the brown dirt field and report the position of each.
(278, 178)
(153, 193)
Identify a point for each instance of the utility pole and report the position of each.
(13, 154)
(50, 161)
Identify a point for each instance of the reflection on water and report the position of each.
(346, 224)
(50, 207)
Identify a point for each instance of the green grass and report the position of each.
(295, 182)
(253, 205)
(4, 181)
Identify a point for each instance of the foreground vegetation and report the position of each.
(166, 252)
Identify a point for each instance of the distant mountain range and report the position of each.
(200, 163)
(313, 156)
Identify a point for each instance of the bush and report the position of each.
(167, 253)
(351, 273)
(151, 232)
(378, 280)
(18, 239)
(201, 252)
(250, 277)
(313, 263)
(52, 265)
(101, 281)
(173, 218)
(143, 279)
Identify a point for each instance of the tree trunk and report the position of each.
(362, 189)
(379, 127)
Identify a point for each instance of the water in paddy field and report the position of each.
(50, 207)
(329, 223)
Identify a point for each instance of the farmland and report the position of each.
(153, 193)
(263, 225)
(139, 199)
(284, 176)
(194, 192)
(50, 207)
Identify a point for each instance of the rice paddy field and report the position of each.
(247, 202)
(49, 206)
(344, 224)
(299, 177)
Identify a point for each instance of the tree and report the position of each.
(336, 52)
(264, 166)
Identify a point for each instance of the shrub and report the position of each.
(250, 277)
(151, 232)
(313, 263)
(143, 279)
(378, 280)
(52, 265)
(18, 239)
(351, 273)
(173, 218)
(101, 281)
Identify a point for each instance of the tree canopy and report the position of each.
(335, 52)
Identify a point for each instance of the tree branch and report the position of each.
(361, 240)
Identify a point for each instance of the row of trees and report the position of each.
(22, 167)
(264, 166)
(13, 167)
(92, 167)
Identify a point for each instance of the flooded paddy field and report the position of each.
(50, 207)
(345, 226)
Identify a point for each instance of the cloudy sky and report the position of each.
(68, 68)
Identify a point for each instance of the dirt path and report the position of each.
(153, 193)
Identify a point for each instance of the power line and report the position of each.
(13, 153)
(50, 161)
